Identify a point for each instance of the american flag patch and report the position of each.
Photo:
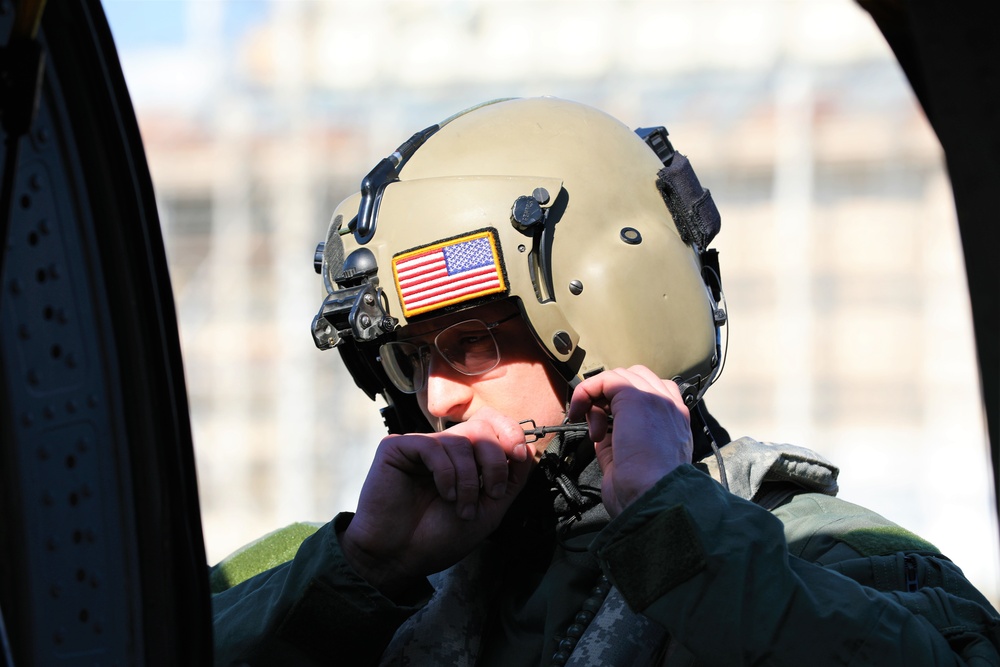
(448, 272)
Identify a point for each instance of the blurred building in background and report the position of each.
(850, 328)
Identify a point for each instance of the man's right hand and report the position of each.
(430, 499)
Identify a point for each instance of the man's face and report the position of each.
(522, 386)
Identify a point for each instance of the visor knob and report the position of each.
(527, 212)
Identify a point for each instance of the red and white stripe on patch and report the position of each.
(448, 272)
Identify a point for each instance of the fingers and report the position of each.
(499, 450)
(485, 456)
(464, 488)
(596, 398)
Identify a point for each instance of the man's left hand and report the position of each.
(650, 436)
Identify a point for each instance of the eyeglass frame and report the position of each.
(424, 357)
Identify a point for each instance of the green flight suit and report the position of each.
(775, 571)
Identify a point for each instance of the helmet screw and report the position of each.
(575, 287)
(365, 320)
(541, 195)
(369, 299)
(562, 342)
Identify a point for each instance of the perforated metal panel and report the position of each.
(57, 356)
(103, 559)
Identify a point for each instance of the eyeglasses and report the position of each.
(469, 347)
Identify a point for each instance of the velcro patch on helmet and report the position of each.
(448, 272)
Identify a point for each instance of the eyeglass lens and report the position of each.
(469, 347)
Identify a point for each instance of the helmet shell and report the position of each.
(606, 282)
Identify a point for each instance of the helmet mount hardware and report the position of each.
(359, 309)
(374, 184)
(359, 266)
(575, 287)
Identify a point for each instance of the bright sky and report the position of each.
(152, 24)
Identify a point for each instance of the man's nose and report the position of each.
(448, 391)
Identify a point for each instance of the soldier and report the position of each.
(529, 287)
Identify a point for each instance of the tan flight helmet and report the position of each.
(598, 233)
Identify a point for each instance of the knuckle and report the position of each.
(467, 487)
